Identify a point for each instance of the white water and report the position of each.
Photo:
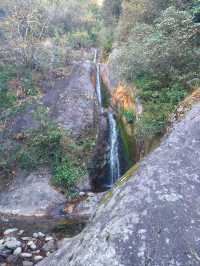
(98, 88)
(95, 56)
(114, 149)
(113, 132)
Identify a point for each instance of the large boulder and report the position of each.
(30, 195)
(152, 216)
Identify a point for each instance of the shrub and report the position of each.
(129, 115)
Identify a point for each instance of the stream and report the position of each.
(114, 138)
(31, 238)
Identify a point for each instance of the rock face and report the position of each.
(31, 195)
(150, 218)
(71, 102)
(99, 168)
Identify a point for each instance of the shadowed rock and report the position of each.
(151, 218)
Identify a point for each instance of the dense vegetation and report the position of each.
(152, 45)
(40, 39)
(155, 48)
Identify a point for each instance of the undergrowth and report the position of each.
(159, 101)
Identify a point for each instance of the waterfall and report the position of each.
(114, 161)
(98, 88)
(95, 56)
(114, 149)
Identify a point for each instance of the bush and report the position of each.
(66, 174)
(129, 115)
(158, 102)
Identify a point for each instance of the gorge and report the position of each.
(99, 133)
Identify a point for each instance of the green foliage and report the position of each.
(66, 174)
(159, 102)
(129, 115)
(79, 39)
(158, 52)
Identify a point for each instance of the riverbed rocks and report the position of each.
(151, 217)
(25, 250)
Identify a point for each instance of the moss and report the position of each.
(120, 183)
(107, 197)
(127, 175)
(129, 144)
(105, 95)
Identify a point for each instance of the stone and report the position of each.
(33, 246)
(91, 194)
(36, 251)
(41, 235)
(13, 260)
(49, 246)
(12, 243)
(48, 238)
(151, 217)
(27, 263)
(26, 238)
(17, 251)
(10, 231)
(5, 253)
(82, 194)
(26, 255)
(35, 235)
(38, 258)
(21, 232)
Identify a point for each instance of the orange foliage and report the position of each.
(122, 98)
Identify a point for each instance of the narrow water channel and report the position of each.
(114, 138)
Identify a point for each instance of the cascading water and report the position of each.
(98, 88)
(114, 161)
(114, 149)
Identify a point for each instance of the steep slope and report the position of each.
(71, 104)
(151, 218)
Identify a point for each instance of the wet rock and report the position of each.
(49, 246)
(13, 260)
(27, 263)
(35, 235)
(11, 231)
(26, 255)
(38, 258)
(48, 238)
(98, 166)
(5, 253)
(32, 245)
(41, 235)
(36, 251)
(12, 243)
(17, 251)
(20, 233)
(26, 238)
(82, 194)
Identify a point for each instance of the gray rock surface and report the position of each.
(71, 103)
(30, 195)
(151, 218)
